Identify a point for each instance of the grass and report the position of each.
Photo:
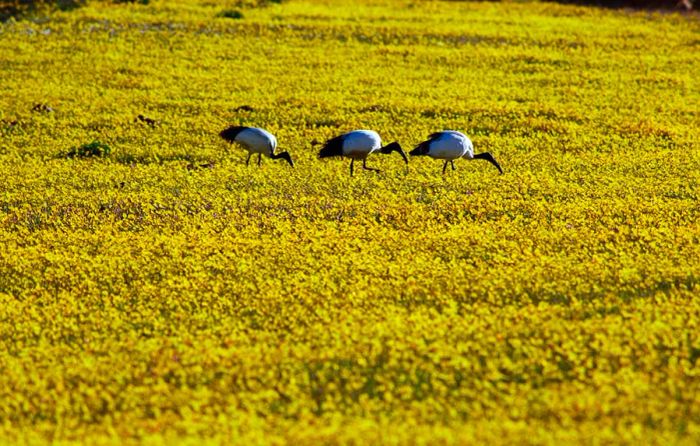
(147, 299)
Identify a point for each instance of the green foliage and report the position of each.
(231, 14)
(21, 8)
(93, 149)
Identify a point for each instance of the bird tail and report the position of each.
(230, 133)
(332, 147)
(421, 149)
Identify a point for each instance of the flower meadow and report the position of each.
(155, 290)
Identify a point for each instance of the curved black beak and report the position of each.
(488, 157)
(285, 156)
(394, 147)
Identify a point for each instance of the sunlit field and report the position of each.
(165, 293)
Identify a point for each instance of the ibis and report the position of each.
(255, 140)
(450, 145)
(357, 145)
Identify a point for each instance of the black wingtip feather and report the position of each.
(332, 147)
(421, 149)
(229, 134)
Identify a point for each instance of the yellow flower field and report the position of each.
(168, 294)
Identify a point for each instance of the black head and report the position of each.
(488, 157)
(285, 156)
(394, 147)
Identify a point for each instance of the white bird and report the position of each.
(255, 140)
(357, 145)
(450, 145)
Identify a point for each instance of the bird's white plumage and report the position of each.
(360, 143)
(257, 140)
(450, 145)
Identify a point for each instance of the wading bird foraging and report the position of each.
(450, 145)
(255, 140)
(357, 145)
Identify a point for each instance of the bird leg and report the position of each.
(364, 166)
(247, 161)
(444, 167)
(259, 158)
(453, 165)
(351, 164)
